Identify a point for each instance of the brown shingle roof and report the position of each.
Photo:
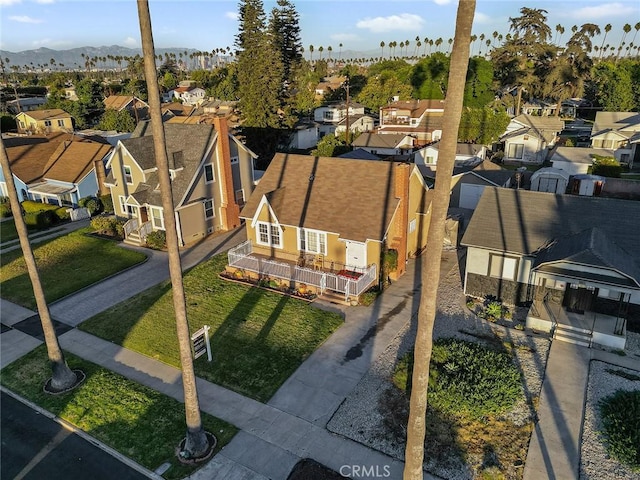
(48, 114)
(354, 199)
(72, 161)
(379, 140)
(28, 156)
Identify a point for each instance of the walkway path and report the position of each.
(291, 426)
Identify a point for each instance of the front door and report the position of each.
(356, 254)
(579, 299)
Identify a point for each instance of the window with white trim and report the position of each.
(156, 218)
(47, 123)
(128, 177)
(268, 234)
(123, 206)
(209, 211)
(503, 267)
(208, 173)
(312, 241)
(61, 123)
(516, 150)
(412, 226)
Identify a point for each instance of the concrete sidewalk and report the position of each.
(38, 237)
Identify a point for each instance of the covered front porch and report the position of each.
(313, 273)
(580, 308)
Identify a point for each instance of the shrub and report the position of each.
(93, 204)
(62, 214)
(107, 203)
(621, 419)
(40, 220)
(103, 224)
(606, 166)
(31, 206)
(467, 379)
(157, 240)
(5, 210)
(119, 227)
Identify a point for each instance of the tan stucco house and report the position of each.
(329, 221)
(211, 172)
(44, 121)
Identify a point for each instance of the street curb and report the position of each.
(81, 433)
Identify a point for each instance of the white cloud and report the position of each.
(441, 2)
(45, 1)
(232, 15)
(24, 19)
(344, 37)
(403, 22)
(6, 3)
(51, 43)
(596, 12)
(481, 18)
(130, 42)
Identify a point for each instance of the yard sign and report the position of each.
(201, 344)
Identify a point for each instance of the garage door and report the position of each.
(470, 194)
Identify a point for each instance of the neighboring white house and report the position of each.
(388, 144)
(620, 132)
(187, 92)
(422, 119)
(304, 136)
(527, 138)
(466, 154)
(357, 124)
(330, 116)
(577, 160)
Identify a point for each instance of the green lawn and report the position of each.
(66, 264)
(138, 422)
(8, 231)
(258, 337)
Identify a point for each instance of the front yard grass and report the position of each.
(258, 338)
(66, 264)
(138, 422)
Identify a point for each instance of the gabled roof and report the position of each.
(524, 222)
(628, 122)
(462, 148)
(30, 155)
(360, 154)
(539, 123)
(118, 102)
(593, 247)
(417, 107)
(352, 198)
(188, 143)
(72, 161)
(380, 140)
(51, 114)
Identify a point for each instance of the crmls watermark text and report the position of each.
(365, 471)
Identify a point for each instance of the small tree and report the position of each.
(329, 146)
(120, 121)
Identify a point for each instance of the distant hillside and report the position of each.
(73, 57)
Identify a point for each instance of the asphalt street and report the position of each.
(35, 447)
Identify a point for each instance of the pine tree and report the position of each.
(285, 33)
(259, 69)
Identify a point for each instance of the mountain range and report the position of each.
(73, 58)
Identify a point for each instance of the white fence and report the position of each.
(78, 213)
(240, 257)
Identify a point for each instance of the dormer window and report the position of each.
(128, 177)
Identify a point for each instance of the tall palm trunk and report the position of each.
(414, 452)
(62, 377)
(196, 443)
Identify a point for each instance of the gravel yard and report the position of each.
(360, 419)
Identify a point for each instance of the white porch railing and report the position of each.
(130, 226)
(145, 229)
(240, 257)
(133, 227)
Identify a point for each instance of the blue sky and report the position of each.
(357, 24)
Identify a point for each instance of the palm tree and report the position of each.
(382, 49)
(401, 47)
(626, 29)
(636, 27)
(311, 53)
(340, 52)
(495, 36)
(414, 452)
(607, 29)
(438, 42)
(473, 39)
(320, 50)
(62, 378)
(196, 444)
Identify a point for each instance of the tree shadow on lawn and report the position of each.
(136, 421)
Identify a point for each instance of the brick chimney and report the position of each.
(230, 210)
(399, 232)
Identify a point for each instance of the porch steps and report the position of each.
(333, 297)
(575, 335)
(133, 239)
